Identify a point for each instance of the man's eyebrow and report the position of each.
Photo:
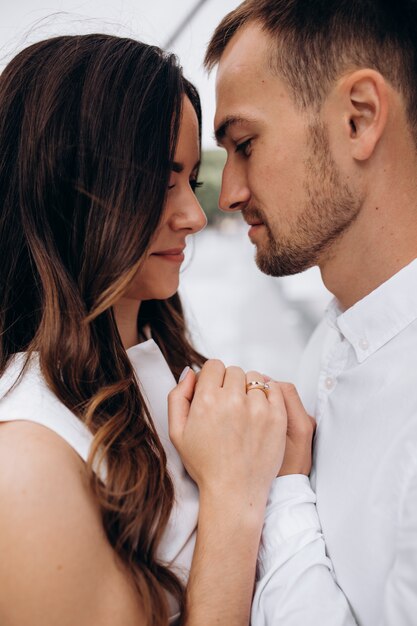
(232, 120)
(179, 167)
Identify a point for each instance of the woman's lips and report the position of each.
(175, 255)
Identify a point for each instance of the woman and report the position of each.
(100, 150)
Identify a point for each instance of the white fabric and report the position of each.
(351, 557)
(30, 399)
(156, 381)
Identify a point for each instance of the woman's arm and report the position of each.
(222, 575)
(56, 564)
(232, 444)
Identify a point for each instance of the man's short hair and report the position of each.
(314, 41)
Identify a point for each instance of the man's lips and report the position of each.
(252, 219)
(175, 255)
(254, 228)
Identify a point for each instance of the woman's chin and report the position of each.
(163, 293)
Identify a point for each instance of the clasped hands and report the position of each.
(230, 439)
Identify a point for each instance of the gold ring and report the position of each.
(256, 384)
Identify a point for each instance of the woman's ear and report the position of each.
(365, 97)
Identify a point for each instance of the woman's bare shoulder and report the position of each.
(28, 449)
(56, 562)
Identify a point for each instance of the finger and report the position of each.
(292, 399)
(179, 401)
(211, 376)
(235, 380)
(295, 408)
(275, 396)
(252, 377)
(313, 422)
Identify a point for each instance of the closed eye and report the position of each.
(194, 184)
(245, 147)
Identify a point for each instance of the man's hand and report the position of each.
(300, 433)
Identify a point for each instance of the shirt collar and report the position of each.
(381, 315)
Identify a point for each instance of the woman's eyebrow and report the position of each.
(179, 167)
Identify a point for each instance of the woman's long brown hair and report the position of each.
(88, 130)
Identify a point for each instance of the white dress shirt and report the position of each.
(341, 548)
(31, 400)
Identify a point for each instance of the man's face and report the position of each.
(279, 170)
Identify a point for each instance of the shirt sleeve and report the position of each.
(295, 583)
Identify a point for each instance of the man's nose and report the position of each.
(235, 193)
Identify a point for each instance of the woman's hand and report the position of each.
(300, 433)
(232, 444)
(231, 441)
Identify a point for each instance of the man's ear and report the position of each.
(365, 97)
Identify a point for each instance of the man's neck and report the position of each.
(378, 244)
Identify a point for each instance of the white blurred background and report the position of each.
(235, 313)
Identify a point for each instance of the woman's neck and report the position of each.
(126, 311)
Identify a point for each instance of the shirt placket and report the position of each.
(333, 363)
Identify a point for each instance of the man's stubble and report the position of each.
(330, 209)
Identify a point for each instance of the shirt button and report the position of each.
(329, 382)
(364, 344)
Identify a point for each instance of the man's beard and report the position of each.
(330, 209)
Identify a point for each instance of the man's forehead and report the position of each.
(246, 52)
(236, 106)
(243, 79)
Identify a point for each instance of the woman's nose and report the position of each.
(191, 216)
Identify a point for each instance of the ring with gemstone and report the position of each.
(256, 384)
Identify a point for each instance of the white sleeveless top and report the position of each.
(32, 400)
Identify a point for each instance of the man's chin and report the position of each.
(281, 265)
(266, 263)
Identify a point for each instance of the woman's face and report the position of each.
(158, 277)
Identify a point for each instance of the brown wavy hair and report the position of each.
(88, 131)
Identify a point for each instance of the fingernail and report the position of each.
(184, 374)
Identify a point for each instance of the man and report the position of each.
(317, 109)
